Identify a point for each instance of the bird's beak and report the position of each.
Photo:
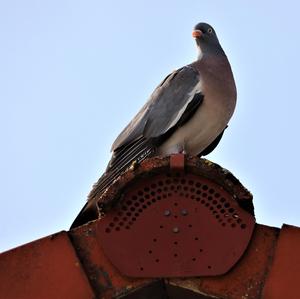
(197, 33)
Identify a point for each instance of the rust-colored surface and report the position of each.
(284, 278)
(193, 165)
(246, 279)
(73, 265)
(177, 162)
(105, 279)
(185, 225)
(46, 268)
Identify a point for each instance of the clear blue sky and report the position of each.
(73, 73)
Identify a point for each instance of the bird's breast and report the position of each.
(209, 120)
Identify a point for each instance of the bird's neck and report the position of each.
(207, 50)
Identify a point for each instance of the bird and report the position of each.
(186, 113)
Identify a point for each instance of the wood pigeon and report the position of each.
(187, 112)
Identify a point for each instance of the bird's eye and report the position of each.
(209, 30)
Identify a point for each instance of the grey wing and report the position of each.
(171, 104)
(164, 108)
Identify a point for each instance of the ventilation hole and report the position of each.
(107, 230)
(192, 196)
(132, 209)
(205, 188)
(198, 192)
(111, 224)
(190, 225)
(239, 220)
(124, 208)
(185, 188)
(116, 219)
(181, 194)
(172, 187)
(217, 216)
(161, 226)
(209, 198)
(127, 227)
(120, 214)
(214, 202)
(243, 226)
(129, 202)
(192, 190)
(211, 208)
(136, 204)
(164, 196)
(128, 214)
(215, 212)
(175, 254)
(226, 205)
(134, 197)
(147, 196)
(217, 195)
(183, 181)
(159, 190)
(222, 211)
(117, 228)
(178, 187)
(144, 206)
(204, 194)
(150, 251)
(191, 183)
(175, 204)
(223, 224)
(121, 223)
(201, 250)
(168, 182)
(219, 206)
(152, 193)
(233, 225)
(175, 243)
(222, 199)
(193, 259)
(165, 188)
(140, 192)
(196, 239)
(229, 220)
(207, 204)
(153, 185)
(133, 219)
(203, 201)
(198, 198)
(141, 268)
(141, 200)
(175, 216)
(140, 210)
(198, 185)
(209, 267)
(160, 183)
(146, 189)
(211, 191)
(154, 200)
(154, 240)
(231, 210)
(148, 203)
(136, 214)
(157, 260)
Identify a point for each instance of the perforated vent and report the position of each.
(176, 224)
(188, 188)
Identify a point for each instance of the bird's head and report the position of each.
(206, 39)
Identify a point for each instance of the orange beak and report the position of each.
(197, 33)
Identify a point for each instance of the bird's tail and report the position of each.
(120, 162)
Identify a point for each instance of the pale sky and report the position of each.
(73, 74)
